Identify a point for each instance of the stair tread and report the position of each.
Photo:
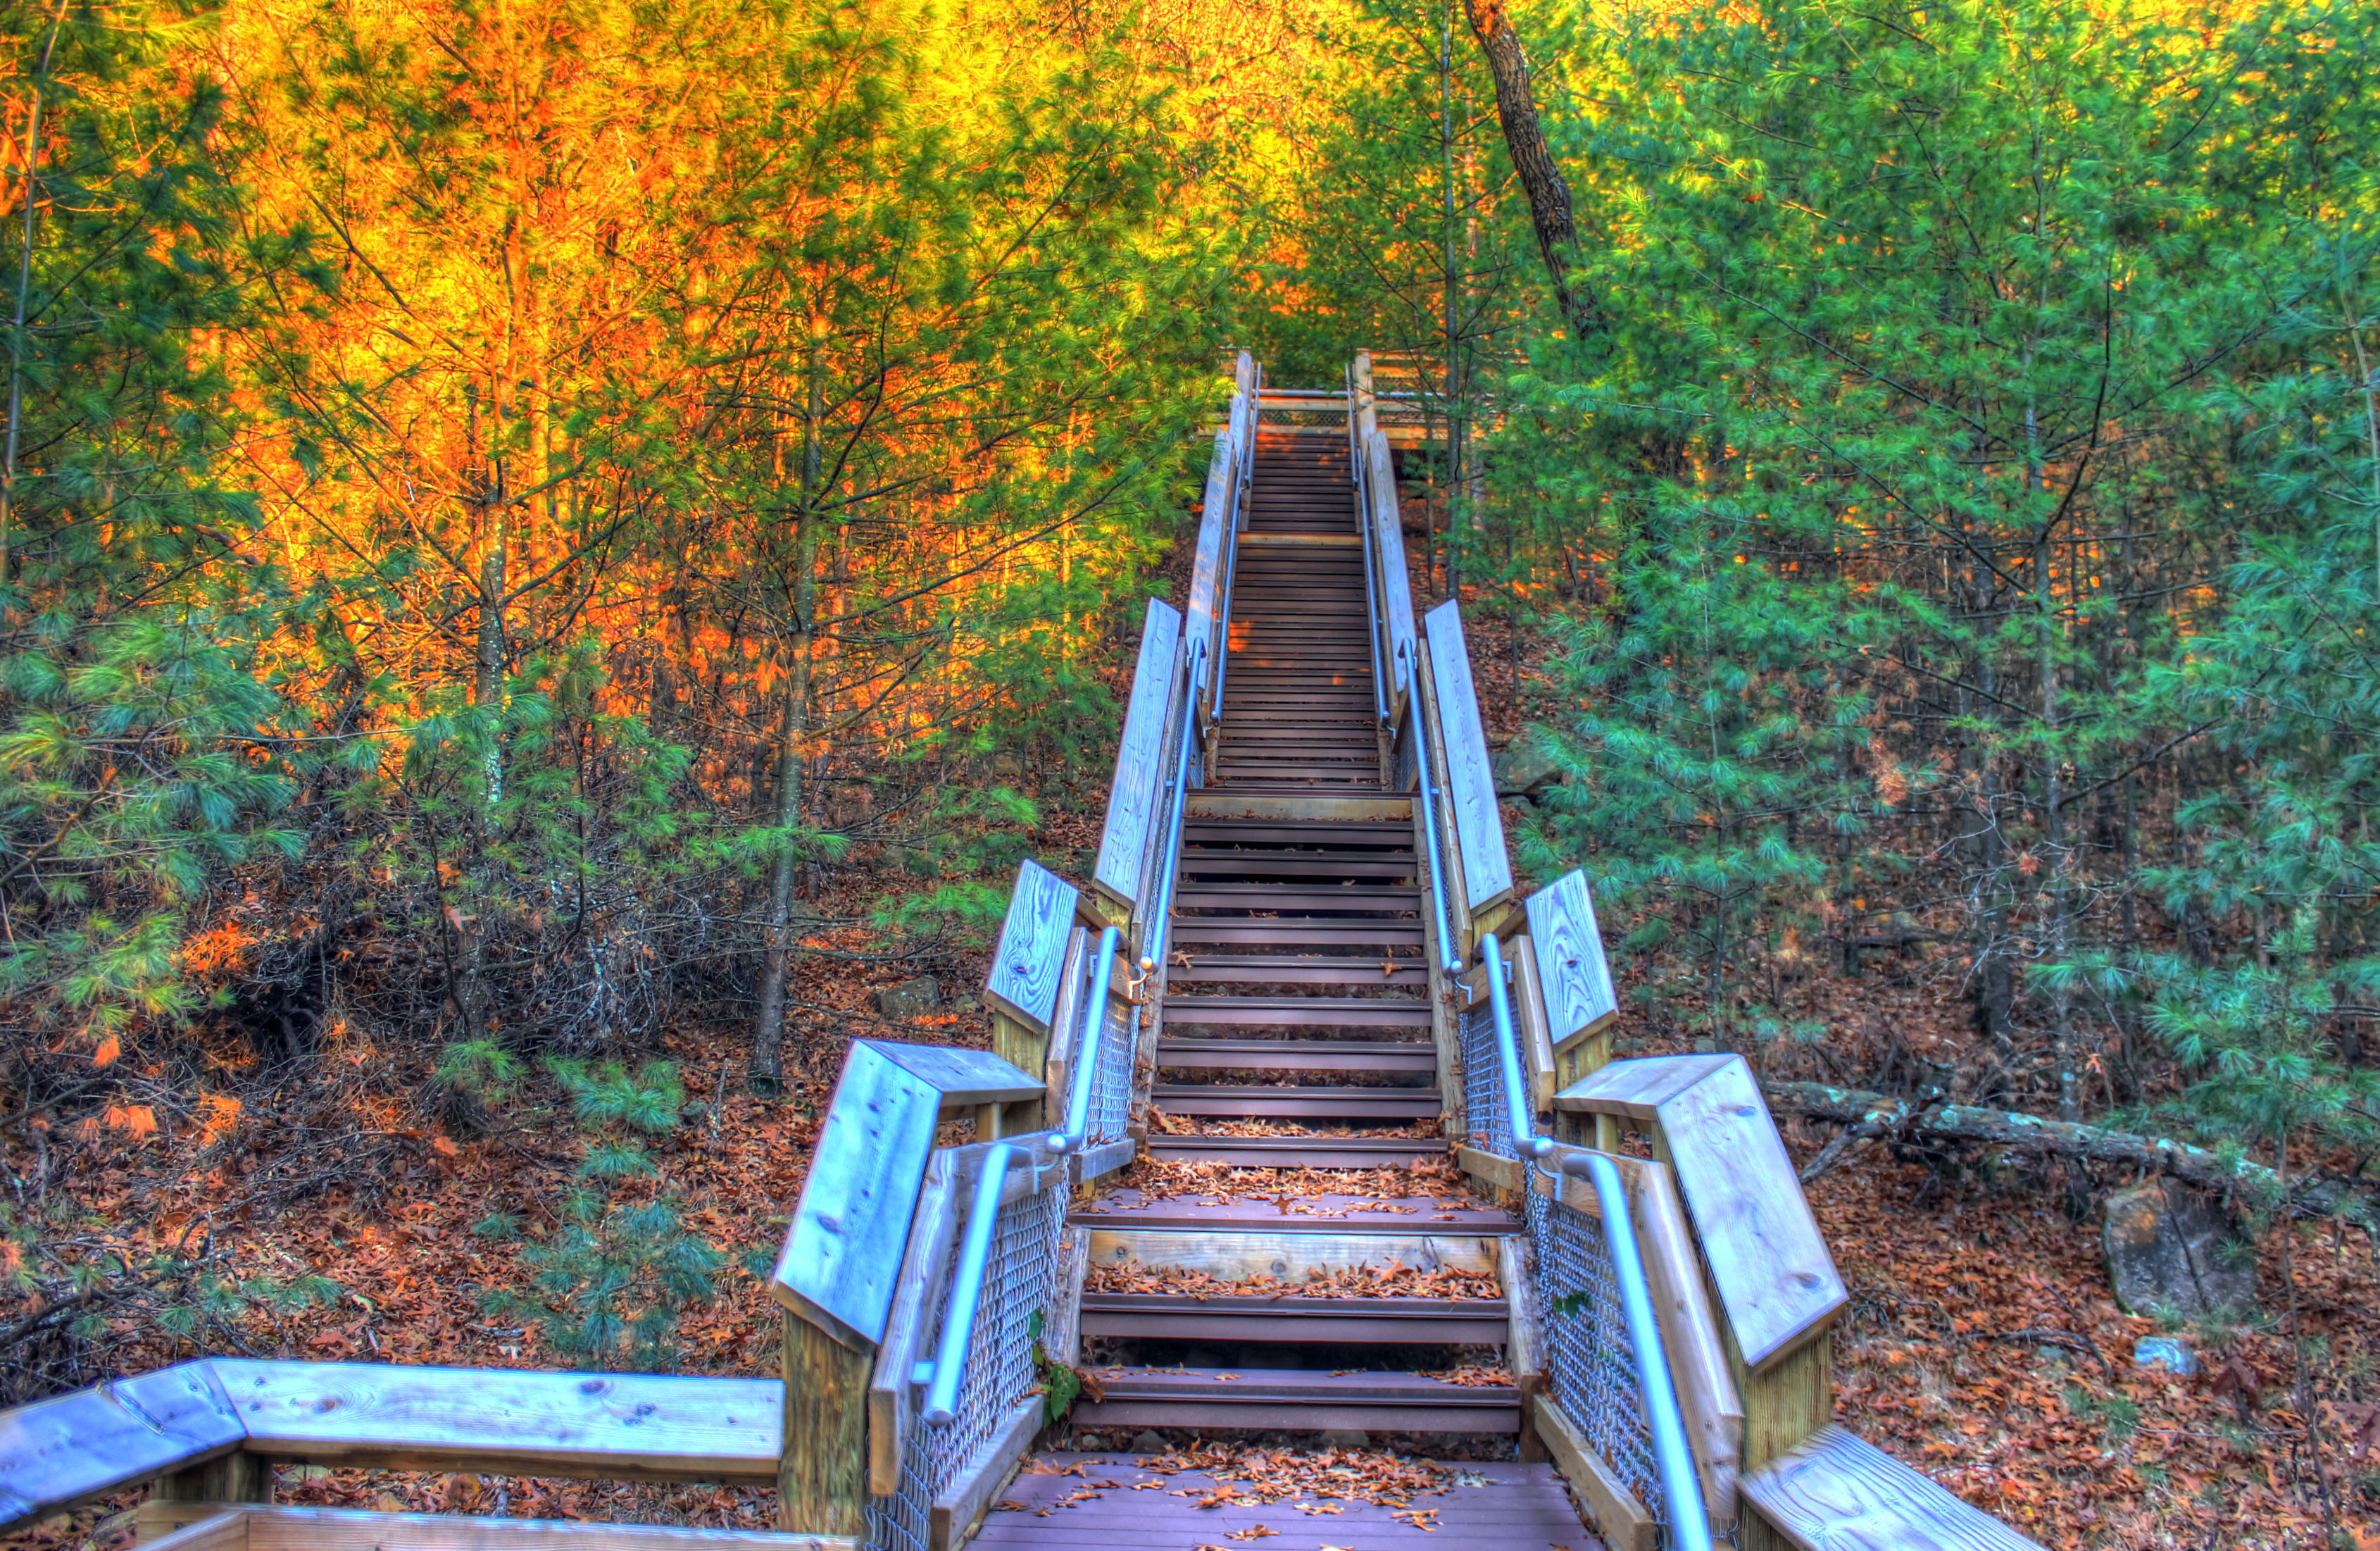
(1292, 1385)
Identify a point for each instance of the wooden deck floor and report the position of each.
(1517, 1508)
(1330, 1214)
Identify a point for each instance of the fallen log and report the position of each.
(1924, 1121)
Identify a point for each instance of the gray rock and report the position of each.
(2165, 1351)
(1148, 1443)
(1523, 768)
(2165, 1246)
(911, 999)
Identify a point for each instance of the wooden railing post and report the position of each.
(822, 1475)
(234, 1478)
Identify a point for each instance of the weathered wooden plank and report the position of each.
(844, 1248)
(1066, 1024)
(1139, 773)
(962, 1502)
(290, 1528)
(1775, 1279)
(609, 1426)
(1394, 586)
(961, 1078)
(1062, 1336)
(1639, 1087)
(1837, 1492)
(1025, 967)
(1207, 565)
(823, 1471)
(58, 1452)
(1615, 1512)
(203, 1527)
(1234, 1256)
(1568, 955)
(1469, 781)
(1225, 804)
(923, 1263)
(1524, 1339)
(1712, 1410)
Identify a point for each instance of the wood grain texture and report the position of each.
(1612, 1511)
(1066, 1024)
(289, 1528)
(1470, 783)
(924, 1260)
(844, 1247)
(1567, 951)
(1787, 1400)
(960, 1079)
(1139, 774)
(1061, 1338)
(58, 1452)
(1836, 1492)
(822, 1474)
(1525, 1336)
(1207, 564)
(1232, 1256)
(609, 1426)
(1025, 967)
(1394, 586)
(964, 1500)
(1535, 1027)
(1638, 1087)
(1775, 1281)
(1691, 1340)
(205, 1527)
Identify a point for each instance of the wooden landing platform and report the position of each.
(1517, 1507)
(1317, 1213)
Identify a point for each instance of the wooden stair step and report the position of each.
(1366, 896)
(1454, 1322)
(1296, 1152)
(1298, 1398)
(1295, 969)
(1304, 1055)
(1333, 1012)
(1222, 1099)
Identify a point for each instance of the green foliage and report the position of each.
(607, 1282)
(136, 756)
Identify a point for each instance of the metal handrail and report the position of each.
(1086, 1050)
(1427, 796)
(1680, 1488)
(966, 1286)
(1508, 1052)
(1196, 675)
(1241, 478)
(1360, 471)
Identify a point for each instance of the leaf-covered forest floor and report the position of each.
(1982, 1344)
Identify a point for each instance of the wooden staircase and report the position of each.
(1296, 1034)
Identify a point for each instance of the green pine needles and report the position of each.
(608, 1280)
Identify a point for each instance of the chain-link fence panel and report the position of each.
(1019, 1285)
(1591, 1360)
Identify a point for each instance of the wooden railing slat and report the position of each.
(58, 1452)
(1139, 774)
(1469, 781)
(1025, 967)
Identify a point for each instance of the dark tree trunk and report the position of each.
(1525, 139)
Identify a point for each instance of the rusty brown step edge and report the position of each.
(1295, 1152)
(1296, 1103)
(1454, 1322)
(1298, 1398)
(1297, 1055)
(1403, 1012)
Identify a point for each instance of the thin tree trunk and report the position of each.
(1533, 159)
(768, 1036)
(24, 290)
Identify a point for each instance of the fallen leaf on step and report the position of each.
(1254, 1532)
(1008, 1504)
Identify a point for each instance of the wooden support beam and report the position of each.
(822, 1474)
(1615, 1514)
(170, 1526)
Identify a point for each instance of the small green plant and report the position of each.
(2119, 1414)
(611, 1277)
